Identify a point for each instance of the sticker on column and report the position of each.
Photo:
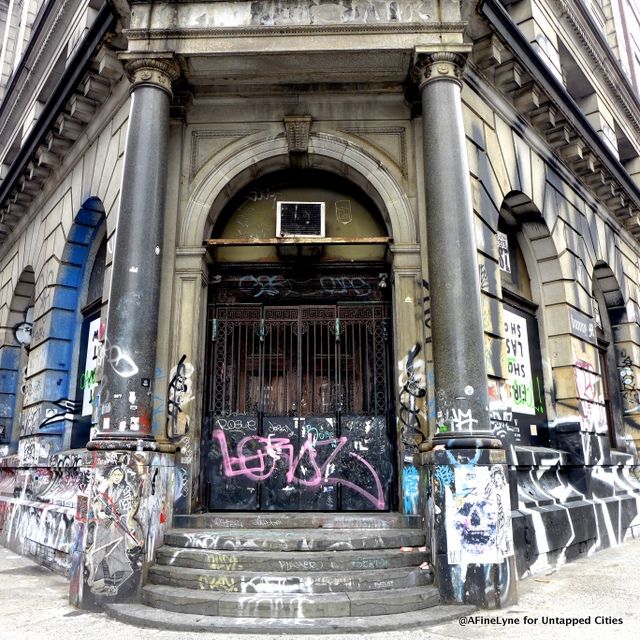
(478, 516)
(135, 423)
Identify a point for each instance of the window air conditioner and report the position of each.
(300, 219)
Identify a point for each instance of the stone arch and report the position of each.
(526, 300)
(620, 356)
(10, 356)
(227, 173)
(611, 290)
(49, 410)
(539, 248)
(233, 169)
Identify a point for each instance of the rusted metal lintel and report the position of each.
(264, 242)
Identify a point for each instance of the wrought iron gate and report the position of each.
(298, 407)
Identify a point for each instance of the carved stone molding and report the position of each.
(297, 129)
(396, 136)
(157, 72)
(598, 58)
(201, 153)
(441, 65)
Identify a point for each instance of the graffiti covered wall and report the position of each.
(128, 509)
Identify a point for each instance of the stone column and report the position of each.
(469, 502)
(127, 393)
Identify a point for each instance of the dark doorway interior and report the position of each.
(298, 400)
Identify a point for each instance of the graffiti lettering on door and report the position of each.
(256, 458)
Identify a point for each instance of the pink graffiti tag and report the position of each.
(259, 466)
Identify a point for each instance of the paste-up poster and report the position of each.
(478, 516)
(88, 380)
(520, 378)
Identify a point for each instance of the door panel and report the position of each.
(232, 464)
(367, 470)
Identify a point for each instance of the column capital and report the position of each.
(156, 72)
(439, 65)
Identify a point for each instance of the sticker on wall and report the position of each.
(520, 379)
(503, 252)
(478, 516)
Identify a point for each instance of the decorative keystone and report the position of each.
(297, 129)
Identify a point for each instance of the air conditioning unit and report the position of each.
(300, 219)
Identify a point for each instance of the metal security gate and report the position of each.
(298, 406)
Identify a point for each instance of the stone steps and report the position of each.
(295, 540)
(145, 616)
(296, 520)
(323, 573)
(288, 582)
(276, 604)
(274, 561)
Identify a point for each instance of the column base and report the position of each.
(121, 521)
(472, 535)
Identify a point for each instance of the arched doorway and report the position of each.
(298, 397)
(14, 358)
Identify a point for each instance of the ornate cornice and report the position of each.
(15, 102)
(515, 70)
(156, 72)
(441, 65)
(285, 30)
(596, 54)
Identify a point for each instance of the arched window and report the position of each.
(14, 358)
(524, 422)
(619, 393)
(90, 345)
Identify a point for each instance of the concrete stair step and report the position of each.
(297, 520)
(277, 605)
(276, 583)
(145, 616)
(268, 561)
(295, 540)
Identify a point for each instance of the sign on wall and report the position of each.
(88, 379)
(520, 378)
(583, 326)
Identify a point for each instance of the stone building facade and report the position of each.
(319, 258)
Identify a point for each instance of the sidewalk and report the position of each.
(604, 587)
